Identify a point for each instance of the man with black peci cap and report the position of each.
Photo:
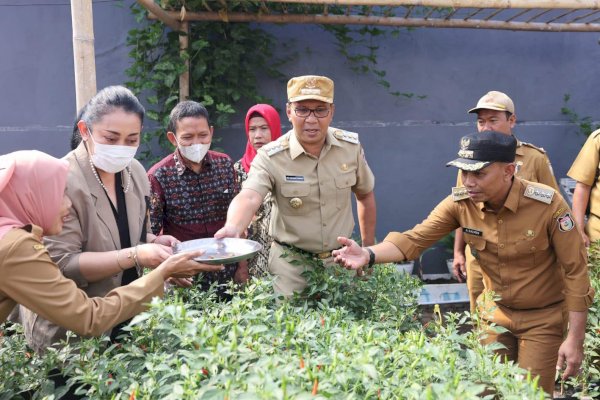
(521, 233)
(496, 112)
(311, 172)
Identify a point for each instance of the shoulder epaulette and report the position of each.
(595, 134)
(346, 136)
(543, 194)
(540, 149)
(459, 193)
(276, 147)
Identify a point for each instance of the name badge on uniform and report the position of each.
(472, 231)
(294, 178)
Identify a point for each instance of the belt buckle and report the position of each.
(322, 256)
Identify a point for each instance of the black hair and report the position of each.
(75, 135)
(109, 99)
(186, 109)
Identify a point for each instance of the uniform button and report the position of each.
(500, 221)
(324, 224)
(533, 248)
(501, 245)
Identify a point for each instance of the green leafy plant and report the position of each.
(227, 60)
(259, 346)
(585, 124)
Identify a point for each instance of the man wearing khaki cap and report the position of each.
(533, 260)
(496, 112)
(311, 172)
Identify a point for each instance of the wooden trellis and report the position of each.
(525, 15)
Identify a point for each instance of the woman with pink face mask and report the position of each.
(263, 125)
(105, 242)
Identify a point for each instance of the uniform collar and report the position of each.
(296, 148)
(519, 150)
(182, 164)
(512, 200)
(514, 194)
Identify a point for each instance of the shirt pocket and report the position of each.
(295, 198)
(476, 245)
(343, 185)
(531, 251)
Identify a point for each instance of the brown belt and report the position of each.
(320, 256)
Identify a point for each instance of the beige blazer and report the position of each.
(91, 227)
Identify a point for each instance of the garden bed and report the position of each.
(344, 338)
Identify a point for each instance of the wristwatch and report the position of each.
(371, 258)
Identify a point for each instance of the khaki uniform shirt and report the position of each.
(520, 249)
(585, 170)
(311, 196)
(30, 278)
(532, 165)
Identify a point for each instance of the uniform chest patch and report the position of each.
(472, 231)
(544, 195)
(459, 193)
(294, 178)
(565, 223)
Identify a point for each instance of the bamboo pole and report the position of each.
(184, 78)
(83, 51)
(575, 4)
(390, 21)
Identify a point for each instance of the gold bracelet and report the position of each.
(119, 261)
(135, 257)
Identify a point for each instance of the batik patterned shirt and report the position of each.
(190, 205)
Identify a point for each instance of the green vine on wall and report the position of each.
(585, 124)
(227, 59)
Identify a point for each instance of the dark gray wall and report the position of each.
(407, 141)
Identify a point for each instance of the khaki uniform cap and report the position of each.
(494, 101)
(310, 87)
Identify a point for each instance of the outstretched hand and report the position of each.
(227, 232)
(183, 265)
(351, 255)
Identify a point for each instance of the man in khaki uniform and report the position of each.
(311, 172)
(587, 189)
(532, 257)
(496, 112)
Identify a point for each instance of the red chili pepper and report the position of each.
(204, 372)
(27, 355)
(132, 395)
(379, 393)
(301, 363)
(315, 387)
(322, 321)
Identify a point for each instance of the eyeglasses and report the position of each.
(304, 112)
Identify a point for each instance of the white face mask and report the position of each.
(195, 152)
(112, 158)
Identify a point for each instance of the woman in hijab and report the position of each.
(33, 204)
(262, 126)
(105, 242)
